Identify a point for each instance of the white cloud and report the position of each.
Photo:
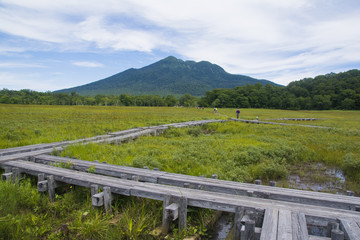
(271, 39)
(19, 65)
(87, 64)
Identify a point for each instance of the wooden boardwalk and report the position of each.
(206, 184)
(260, 212)
(111, 137)
(276, 123)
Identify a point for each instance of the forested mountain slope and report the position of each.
(167, 76)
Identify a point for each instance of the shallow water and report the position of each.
(335, 184)
(222, 227)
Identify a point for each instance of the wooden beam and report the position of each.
(7, 176)
(270, 224)
(213, 185)
(173, 211)
(284, 225)
(97, 200)
(350, 228)
(299, 227)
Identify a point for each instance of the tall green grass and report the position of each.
(26, 124)
(233, 150)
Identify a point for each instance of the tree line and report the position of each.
(27, 96)
(324, 92)
(330, 91)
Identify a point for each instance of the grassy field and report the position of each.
(233, 150)
(25, 124)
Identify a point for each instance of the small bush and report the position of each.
(351, 165)
(270, 171)
(147, 161)
(16, 196)
(173, 132)
(195, 132)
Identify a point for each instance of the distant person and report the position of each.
(215, 110)
(237, 113)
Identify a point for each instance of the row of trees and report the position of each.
(331, 91)
(49, 98)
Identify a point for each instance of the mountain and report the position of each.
(167, 76)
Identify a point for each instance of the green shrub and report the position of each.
(148, 161)
(173, 132)
(14, 197)
(270, 171)
(195, 132)
(351, 165)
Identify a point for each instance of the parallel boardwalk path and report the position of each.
(207, 184)
(260, 212)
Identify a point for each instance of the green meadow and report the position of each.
(234, 151)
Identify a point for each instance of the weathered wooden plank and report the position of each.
(276, 123)
(312, 237)
(25, 154)
(350, 228)
(196, 198)
(228, 187)
(284, 225)
(270, 224)
(22, 149)
(299, 227)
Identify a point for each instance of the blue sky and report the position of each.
(50, 45)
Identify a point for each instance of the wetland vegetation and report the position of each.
(233, 150)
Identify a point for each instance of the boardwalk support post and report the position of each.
(51, 187)
(239, 213)
(107, 199)
(97, 200)
(103, 198)
(41, 177)
(11, 174)
(272, 183)
(42, 186)
(7, 176)
(258, 182)
(337, 234)
(94, 189)
(248, 231)
(174, 208)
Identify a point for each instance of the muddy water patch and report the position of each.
(319, 178)
(222, 227)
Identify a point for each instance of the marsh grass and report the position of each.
(233, 150)
(31, 124)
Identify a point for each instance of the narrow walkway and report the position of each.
(276, 123)
(261, 212)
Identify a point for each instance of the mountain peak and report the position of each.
(167, 76)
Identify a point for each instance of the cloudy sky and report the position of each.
(49, 45)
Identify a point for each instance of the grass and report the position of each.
(233, 150)
(25, 124)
